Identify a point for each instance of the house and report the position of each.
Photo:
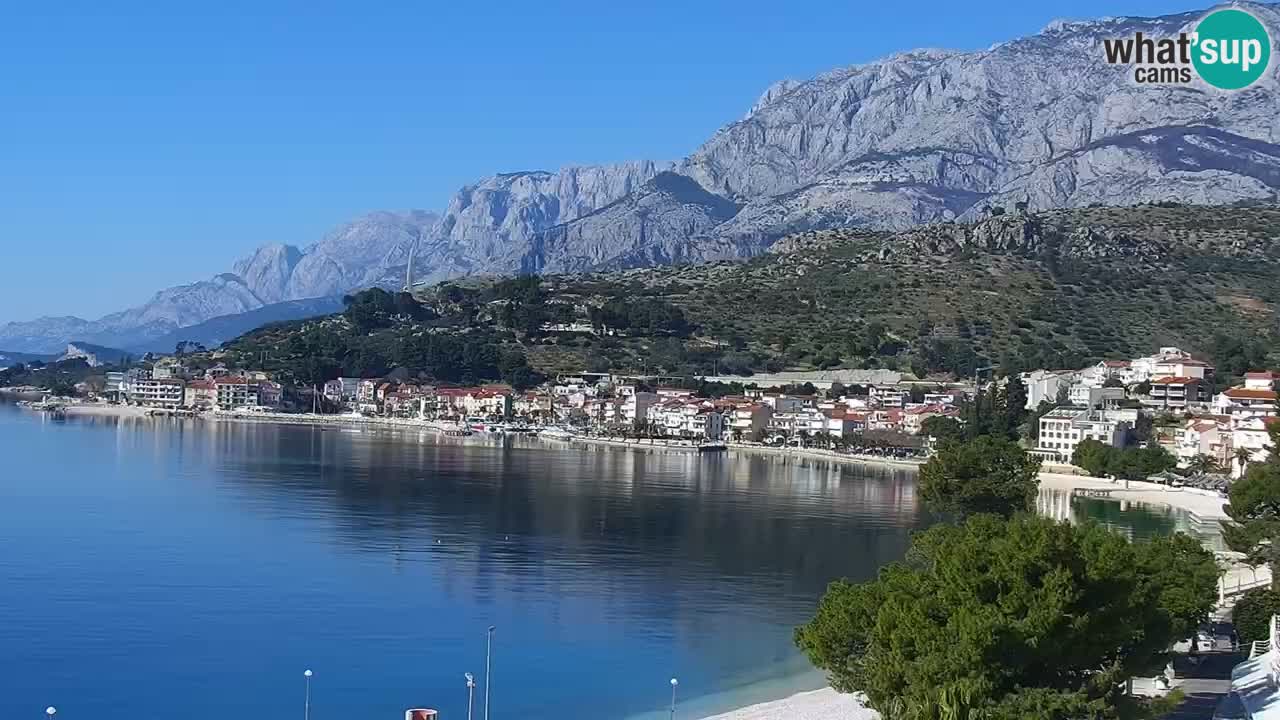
(635, 406)
(367, 395)
(342, 391)
(165, 393)
(404, 400)
(890, 419)
(1062, 429)
(749, 420)
(1176, 392)
(1143, 369)
(1243, 402)
(1203, 436)
(1044, 385)
(1255, 398)
(1252, 435)
(888, 396)
(913, 416)
(674, 392)
(843, 422)
(1082, 395)
(1181, 367)
(201, 395)
(809, 421)
(235, 392)
(168, 368)
(782, 403)
(687, 418)
(488, 402)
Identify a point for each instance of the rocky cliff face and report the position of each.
(919, 137)
(932, 135)
(651, 226)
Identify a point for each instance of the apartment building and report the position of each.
(167, 393)
(1062, 429)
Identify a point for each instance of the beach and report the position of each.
(824, 704)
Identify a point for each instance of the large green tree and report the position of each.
(1253, 504)
(984, 475)
(1007, 619)
(1015, 405)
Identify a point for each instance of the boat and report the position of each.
(712, 446)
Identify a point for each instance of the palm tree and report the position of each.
(1243, 456)
(1202, 464)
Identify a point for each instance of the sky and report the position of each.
(151, 144)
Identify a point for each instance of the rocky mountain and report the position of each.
(651, 226)
(215, 331)
(918, 137)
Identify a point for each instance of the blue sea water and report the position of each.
(196, 568)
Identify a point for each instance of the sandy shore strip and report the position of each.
(825, 704)
(104, 410)
(1205, 505)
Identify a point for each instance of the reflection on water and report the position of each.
(1136, 521)
(148, 565)
(154, 563)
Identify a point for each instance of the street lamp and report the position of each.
(51, 711)
(674, 683)
(471, 692)
(488, 651)
(306, 703)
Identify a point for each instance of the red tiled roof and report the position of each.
(1116, 363)
(1264, 375)
(1175, 381)
(1243, 394)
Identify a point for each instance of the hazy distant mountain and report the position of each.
(916, 137)
(215, 331)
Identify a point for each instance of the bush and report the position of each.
(1252, 613)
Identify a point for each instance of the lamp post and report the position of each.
(51, 711)
(306, 702)
(674, 683)
(471, 692)
(488, 651)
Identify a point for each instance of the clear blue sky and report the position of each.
(143, 145)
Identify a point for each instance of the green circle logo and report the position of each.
(1231, 49)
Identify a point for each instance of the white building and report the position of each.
(888, 396)
(1177, 392)
(342, 391)
(1203, 436)
(1082, 395)
(635, 406)
(1062, 429)
(1044, 385)
(1250, 434)
(913, 416)
(1256, 398)
(157, 392)
(748, 420)
(235, 392)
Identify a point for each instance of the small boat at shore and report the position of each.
(712, 446)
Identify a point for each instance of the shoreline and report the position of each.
(1203, 506)
(821, 704)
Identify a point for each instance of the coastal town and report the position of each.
(1169, 400)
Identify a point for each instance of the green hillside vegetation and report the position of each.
(1057, 289)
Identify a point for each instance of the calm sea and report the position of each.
(196, 568)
